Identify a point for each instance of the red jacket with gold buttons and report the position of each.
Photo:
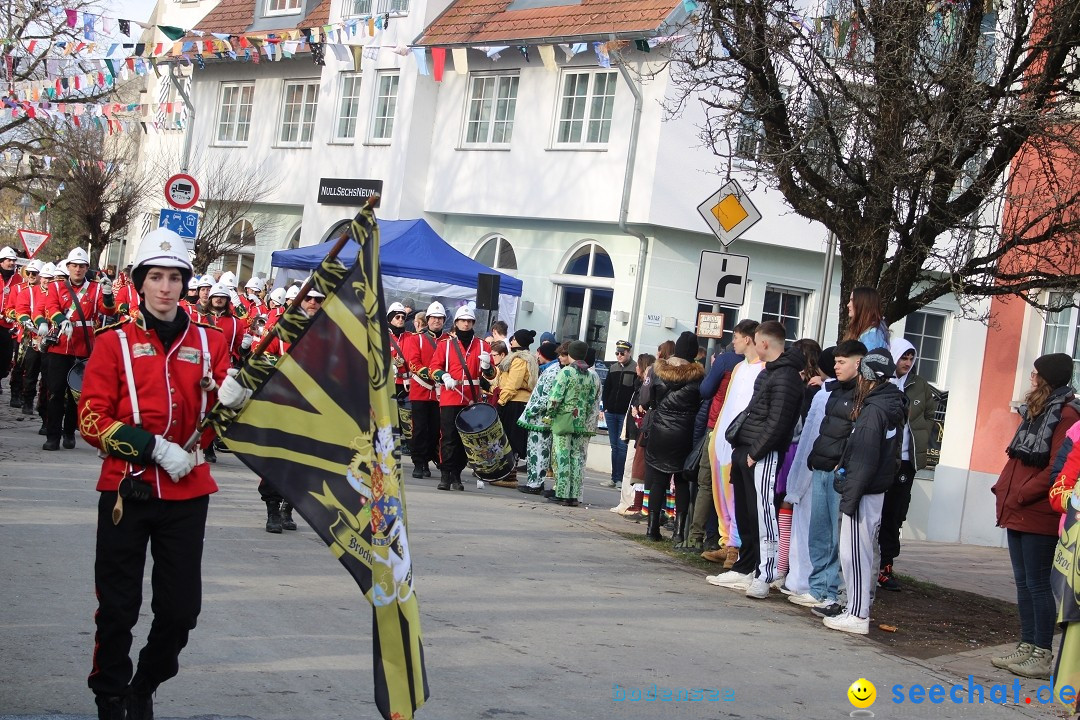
(170, 398)
(94, 304)
(418, 349)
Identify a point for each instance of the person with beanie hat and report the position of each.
(518, 373)
(1022, 494)
(536, 421)
(573, 409)
(673, 402)
(549, 337)
(547, 354)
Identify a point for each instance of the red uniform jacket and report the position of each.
(127, 300)
(59, 305)
(170, 400)
(253, 306)
(418, 349)
(445, 360)
(30, 304)
(234, 329)
(9, 295)
(397, 351)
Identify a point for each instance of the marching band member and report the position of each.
(418, 349)
(145, 392)
(458, 363)
(224, 318)
(252, 297)
(10, 285)
(28, 304)
(72, 306)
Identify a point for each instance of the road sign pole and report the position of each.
(826, 289)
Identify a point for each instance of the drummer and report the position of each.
(458, 364)
(419, 348)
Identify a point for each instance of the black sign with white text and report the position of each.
(346, 191)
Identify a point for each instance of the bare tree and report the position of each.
(102, 185)
(938, 142)
(32, 32)
(231, 191)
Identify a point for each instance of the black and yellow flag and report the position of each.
(318, 427)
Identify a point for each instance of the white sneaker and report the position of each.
(848, 623)
(758, 589)
(724, 578)
(778, 584)
(804, 599)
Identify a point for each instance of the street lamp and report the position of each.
(24, 203)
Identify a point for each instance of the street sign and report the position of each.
(710, 325)
(729, 212)
(32, 240)
(181, 191)
(185, 224)
(722, 278)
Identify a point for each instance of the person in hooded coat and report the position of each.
(518, 373)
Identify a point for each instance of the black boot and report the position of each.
(444, 480)
(42, 430)
(210, 454)
(427, 472)
(656, 519)
(28, 408)
(69, 442)
(15, 401)
(110, 707)
(418, 469)
(52, 443)
(457, 484)
(139, 704)
(287, 521)
(273, 517)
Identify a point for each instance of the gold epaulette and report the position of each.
(205, 325)
(123, 320)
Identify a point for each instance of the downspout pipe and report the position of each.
(185, 156)
(624, 206)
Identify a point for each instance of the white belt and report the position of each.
(421, 383)
(81, 323)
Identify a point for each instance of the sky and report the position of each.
(139, 10)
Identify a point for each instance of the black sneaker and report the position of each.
(827, 610)
(886, 581)
(69, 442)
(51, 444)
(417, 471)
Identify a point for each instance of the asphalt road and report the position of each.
(529, 610)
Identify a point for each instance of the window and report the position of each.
(496, 252)
(399, 6)
(1062, 333)
(584, 311)
(490, 113)
(382, 121)
(926, 331)
(234, 118)
(348, 107)
(786, 307)
(298, 112)
(282, 7)
(172, 112)
(749, 139)
(585, 110)
(241, 241)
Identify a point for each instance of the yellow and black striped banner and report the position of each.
(318, 427)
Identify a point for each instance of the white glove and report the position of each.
(485, 360)
(67, 328)
(172, 458)
(449, 382)
(29, 326)
(231, 393)
(246, 342)
(42, 329)
(106, 286)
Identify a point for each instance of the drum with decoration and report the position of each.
(485, 442)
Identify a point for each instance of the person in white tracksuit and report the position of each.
(866, 471)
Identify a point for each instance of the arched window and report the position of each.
(294, 240)
(241, 258)
(497, 252)
(585, 307)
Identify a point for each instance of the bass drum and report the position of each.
(405, 419)
(485, 443)
(75, 379)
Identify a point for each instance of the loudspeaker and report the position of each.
(487, 291)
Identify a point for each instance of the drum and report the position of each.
(75, 378)
(485, 443)
(405, 419)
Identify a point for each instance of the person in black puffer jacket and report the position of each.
(866, 471)
(764, 435)
(674, 400)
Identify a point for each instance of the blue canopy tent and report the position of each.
(416, 263)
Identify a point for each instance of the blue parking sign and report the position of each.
(183, 223)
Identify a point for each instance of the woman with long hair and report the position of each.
(1023, 508)
(866, 323)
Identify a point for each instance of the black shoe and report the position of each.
(548, 494)
(444, 481)
(555, 499)
(572, 502)
(531, 490)
(110, 707)
(830, 610)
(51, 444)
(139, 705)
(210, 454)
(42, 430)
(28, 409)
(273, 517)
(15, 401)
(457, 485)
(886, 581)
(287, 521)
(427, 473)
(417, 471)
(69, 442)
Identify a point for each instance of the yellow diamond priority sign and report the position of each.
(729, 212)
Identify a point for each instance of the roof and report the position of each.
(236, 16)
(492, 22)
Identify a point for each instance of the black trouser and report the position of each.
(16, 384)
(508, 416)
(894, 512)
(268, 492)
(453, 451)
(745, 492)
(28, 381)
(42, 404)
(656, 482)
(425, 439)
(60, 416)
(7, 348)
(174, 530)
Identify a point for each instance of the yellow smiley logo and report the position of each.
(862, 693)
